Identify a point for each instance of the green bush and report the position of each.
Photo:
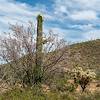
(30, 94)
(71, 87)
(27, 94)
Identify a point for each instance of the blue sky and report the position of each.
(74, 20)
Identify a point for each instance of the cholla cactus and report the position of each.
(83, 77)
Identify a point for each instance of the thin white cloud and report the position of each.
(89, 4)
(84, 15)
(77, 9)
(63, 11)
(93, 34)
(85, 27)
(13, 12)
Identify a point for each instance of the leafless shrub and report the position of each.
(18, 49)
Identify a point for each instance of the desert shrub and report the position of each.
(86, 97)
(96, 95)
(70, 87)
(83, 77)
(30, 94)
(59, 83)
(25, 94)
(68, 96)
(90, 96)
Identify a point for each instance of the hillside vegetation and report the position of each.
(90, 54)
(89, 57)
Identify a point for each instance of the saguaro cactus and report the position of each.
(39, 46)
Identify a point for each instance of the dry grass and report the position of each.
(4, 87)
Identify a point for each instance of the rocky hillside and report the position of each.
(89, 54)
